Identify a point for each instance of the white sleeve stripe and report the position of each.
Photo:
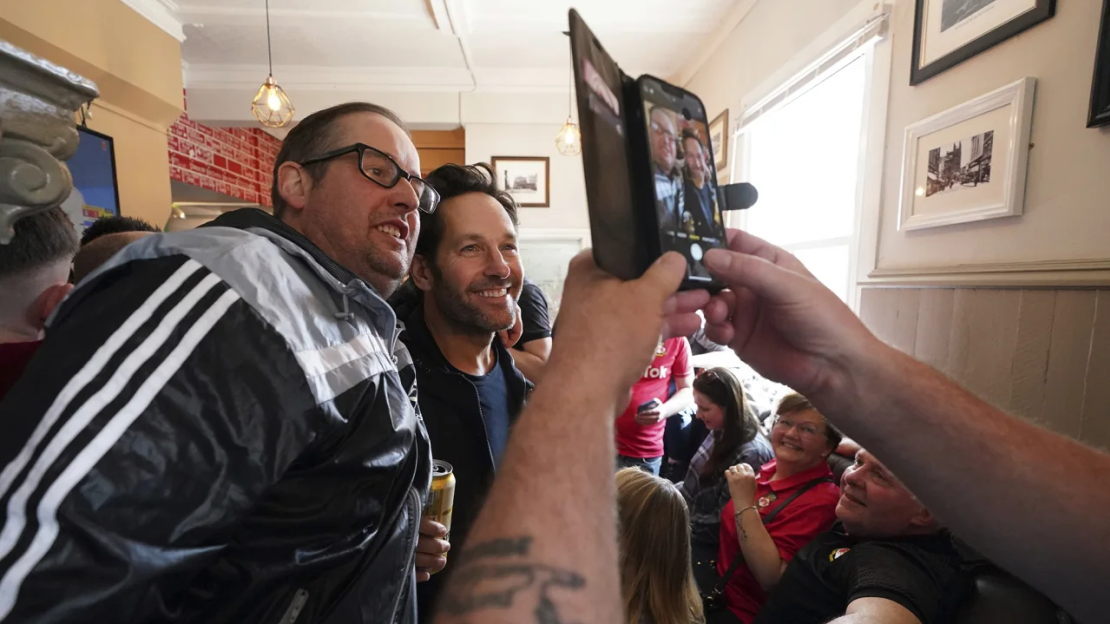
(92, 368)
(101, 444)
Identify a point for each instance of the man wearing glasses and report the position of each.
(216, 428)
(669, 195)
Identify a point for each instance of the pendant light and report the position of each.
(569, 139)
(271, 107)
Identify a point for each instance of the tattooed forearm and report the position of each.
(498, 575)
(740, 528)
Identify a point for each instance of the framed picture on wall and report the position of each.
(1100, 88)
(95, 189)
(949, 32)
(718, 138)
(526, 178)
(968, 163)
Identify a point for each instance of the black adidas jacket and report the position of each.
(215, 430)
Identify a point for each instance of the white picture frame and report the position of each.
(941, 185)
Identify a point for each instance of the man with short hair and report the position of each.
(100, 249)
(669, 196)
(105, 226)
(701, 197)
(467, 268)
(34, 278)
(220, 431)
(885, 560)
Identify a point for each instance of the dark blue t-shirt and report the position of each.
(493, 396)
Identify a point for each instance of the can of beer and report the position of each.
(441, 498)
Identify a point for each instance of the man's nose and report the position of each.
(497, 266)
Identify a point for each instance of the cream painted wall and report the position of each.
(762, 43)
(138, 69)
(1068, 183)
(568, 186)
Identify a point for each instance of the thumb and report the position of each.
(664, 276)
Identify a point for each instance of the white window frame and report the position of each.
(818, 61)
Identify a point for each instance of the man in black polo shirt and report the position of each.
(885, 560)
(534, 347)
(468, 274)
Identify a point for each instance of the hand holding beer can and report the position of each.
(441, 498)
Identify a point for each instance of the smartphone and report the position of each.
(675, 140)
(646, 196)
(650, 405)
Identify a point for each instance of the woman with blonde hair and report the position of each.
(657, 583)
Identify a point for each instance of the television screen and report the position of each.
(95, 193)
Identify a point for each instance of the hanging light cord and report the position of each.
(269, 49)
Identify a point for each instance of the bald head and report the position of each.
(100, 250)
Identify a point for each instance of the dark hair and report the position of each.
(451, 181)
(690, 134)
(722, 387)
(315, 135)
(794, 402)
(114, 225)
(40, 239)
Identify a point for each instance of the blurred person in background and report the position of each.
(799, 481)
(885, 560)
(534, 347)
(640, 427)
(657, 584)
(115, 225)
(34, 278)
(734, 438)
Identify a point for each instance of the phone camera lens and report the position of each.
(686, 114)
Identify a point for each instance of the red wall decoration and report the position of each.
(234, 161)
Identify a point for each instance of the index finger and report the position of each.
(432, 528)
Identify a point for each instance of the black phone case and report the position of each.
(624, 227)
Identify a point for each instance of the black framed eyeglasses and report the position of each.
(381, 169)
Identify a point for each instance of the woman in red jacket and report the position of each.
(799, 481)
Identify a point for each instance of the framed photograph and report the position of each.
(95, 188)
(526, 178)
(949, 32)
(718, 138)
(968, 163)
(1100, 88)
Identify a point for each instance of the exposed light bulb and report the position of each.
(569, 139)
(273, 102)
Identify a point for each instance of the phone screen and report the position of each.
(683, 174)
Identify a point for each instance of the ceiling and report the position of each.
(440, 45)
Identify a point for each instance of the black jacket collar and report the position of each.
(428, 355)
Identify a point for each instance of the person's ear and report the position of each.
(293, 184)
(923, 518)
(420, 271)
(45, 303)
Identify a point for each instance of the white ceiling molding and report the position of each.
(158, 12)
(710, 44)
(221, 14)
(460, 24)
(390, 79)
(439, 13)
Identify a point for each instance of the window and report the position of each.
(802, 148)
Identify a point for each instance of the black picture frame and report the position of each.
(1044, 10)
(1100, 85)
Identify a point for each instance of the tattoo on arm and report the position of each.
(740, 527)
(492, 575)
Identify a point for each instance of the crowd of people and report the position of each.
(237, 423)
